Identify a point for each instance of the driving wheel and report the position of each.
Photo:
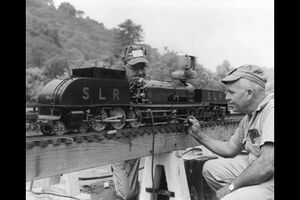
(120, 115)
(135, 116)
(96, 123)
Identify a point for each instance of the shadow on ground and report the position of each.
(98, 192)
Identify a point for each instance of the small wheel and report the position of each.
(46, 129)
(96, 123)
(84, 127)
(118, 112)
(136, 116)
(59, 128)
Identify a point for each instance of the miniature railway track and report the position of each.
(44, 141)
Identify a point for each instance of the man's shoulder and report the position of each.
(267, 113)
(269, 106)
(266, 105)
(271, 99)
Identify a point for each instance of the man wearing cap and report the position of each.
(125, 174)
(251, 176)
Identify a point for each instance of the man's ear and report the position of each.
(250, 93)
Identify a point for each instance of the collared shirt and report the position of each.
(257, 128)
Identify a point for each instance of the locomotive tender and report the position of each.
(100, 98)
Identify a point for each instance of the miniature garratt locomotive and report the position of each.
(100, 98)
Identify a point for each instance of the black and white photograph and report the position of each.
(149, 99)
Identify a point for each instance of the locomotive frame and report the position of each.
(100, 98)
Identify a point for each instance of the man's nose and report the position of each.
(140, 72)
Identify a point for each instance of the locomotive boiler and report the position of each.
(99, 98)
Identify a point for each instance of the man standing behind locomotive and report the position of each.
(250, 177)
(125, 174)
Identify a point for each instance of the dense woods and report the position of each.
(61, 38)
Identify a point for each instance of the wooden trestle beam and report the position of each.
(43, 162)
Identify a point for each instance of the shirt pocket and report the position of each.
(254, 136)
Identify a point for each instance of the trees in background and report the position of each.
(35, 81)
(67, 9)
(126, 34)
(55, 67)
(223, 69)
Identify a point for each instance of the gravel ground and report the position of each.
(98, 192)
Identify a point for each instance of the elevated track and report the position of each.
(53, 155)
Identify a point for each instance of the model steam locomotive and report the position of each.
(100, 98)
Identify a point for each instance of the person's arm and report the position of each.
(263, 167)
(228, 148)
(258, 172)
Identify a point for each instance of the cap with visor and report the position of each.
(252, 73)
(134, 54)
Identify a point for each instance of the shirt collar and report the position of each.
(264, 102)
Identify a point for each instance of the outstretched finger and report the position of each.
(191, 117)
(194, 121)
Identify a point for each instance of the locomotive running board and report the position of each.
(48, 117)
(171, 106)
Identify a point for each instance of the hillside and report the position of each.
(62, 32)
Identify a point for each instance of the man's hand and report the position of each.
(223, 192)
(194, 126)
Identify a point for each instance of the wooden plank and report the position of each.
(175, 175)
(43, 162)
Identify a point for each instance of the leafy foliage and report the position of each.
(67, 9)
(34, 82)
(223, 69)
(126, 34)
(55, 67)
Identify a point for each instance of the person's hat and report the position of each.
(134, 54)
(251, 72)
